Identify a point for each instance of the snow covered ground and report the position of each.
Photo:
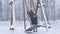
(4, 28)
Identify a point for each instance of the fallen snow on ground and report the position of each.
(19, 28)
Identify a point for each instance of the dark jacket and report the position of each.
(31, 15)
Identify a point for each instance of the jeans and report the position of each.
(34, 21)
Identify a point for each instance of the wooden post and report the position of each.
(12, 15)
(44, 14)
(24, 14)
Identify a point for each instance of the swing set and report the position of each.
(39, 2)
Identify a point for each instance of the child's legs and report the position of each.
(34, 22)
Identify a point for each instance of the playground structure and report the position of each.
(39, 4)
(34, 7)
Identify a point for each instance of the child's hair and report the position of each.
(30, 10)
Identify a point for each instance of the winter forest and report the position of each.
(21, 20)
(51, 9)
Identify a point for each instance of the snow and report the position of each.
(19, 28)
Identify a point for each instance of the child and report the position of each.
(33, 18)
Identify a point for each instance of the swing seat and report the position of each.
(33, 27)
